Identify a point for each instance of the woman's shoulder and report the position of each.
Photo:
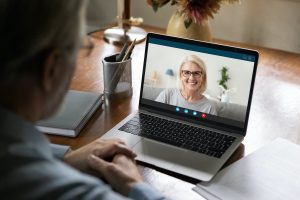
(210, 105)
(171, 91)
(204, 98)
(166, 95)
(207, 101)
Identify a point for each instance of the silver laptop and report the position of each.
(192, 138)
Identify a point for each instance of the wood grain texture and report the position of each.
(275, 110)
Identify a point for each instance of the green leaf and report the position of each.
(224, 77)
(155, 6)
(187, 23)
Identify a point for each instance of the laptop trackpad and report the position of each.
(156, 153)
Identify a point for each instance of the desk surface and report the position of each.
(275, 110)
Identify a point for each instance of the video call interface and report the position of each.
(198, 82)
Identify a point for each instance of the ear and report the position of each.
(50, 70)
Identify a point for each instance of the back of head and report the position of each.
(29, 28)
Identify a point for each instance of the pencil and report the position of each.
(121, 55)
(129, 50)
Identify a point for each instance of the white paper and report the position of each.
(272, 172)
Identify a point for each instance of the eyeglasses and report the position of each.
(87, 46)
(187, 73)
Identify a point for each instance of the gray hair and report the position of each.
(30, 28)
(200, 63)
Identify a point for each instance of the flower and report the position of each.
(193, 11)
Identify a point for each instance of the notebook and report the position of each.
(272, 172)
(181, 124)
(75, 111)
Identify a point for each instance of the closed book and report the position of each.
(76, 109)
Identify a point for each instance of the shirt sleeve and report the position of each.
(59, 151)
(51, 179)
(162, 97)
(143, 191)
(213, 110)
(44, 177)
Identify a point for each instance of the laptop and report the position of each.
(186, 138)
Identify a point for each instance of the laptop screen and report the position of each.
(199, 82)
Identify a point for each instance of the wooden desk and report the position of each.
(275, 110)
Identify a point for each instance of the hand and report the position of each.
(121, 173)
(105, 149)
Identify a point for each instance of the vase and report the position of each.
(225, 98)
(176, 27)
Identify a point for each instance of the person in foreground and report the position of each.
(40, 40)
(192, 79)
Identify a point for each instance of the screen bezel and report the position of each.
(204, 122)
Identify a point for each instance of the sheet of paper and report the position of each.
(272, 172)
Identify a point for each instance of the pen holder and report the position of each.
(117, 77)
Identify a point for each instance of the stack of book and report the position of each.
(76, 109)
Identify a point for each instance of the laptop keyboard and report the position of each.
(180, 135)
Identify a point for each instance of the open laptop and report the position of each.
(188, 141)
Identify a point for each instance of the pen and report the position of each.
(118, 73)
(129, 50)
(121, 55)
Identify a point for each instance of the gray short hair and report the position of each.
(30, 27)
(201, 64)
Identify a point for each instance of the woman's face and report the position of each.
(191, 76)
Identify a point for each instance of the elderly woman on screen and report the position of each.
(193, 81)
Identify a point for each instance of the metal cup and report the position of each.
(117, 77)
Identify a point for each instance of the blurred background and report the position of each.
(268, 23)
